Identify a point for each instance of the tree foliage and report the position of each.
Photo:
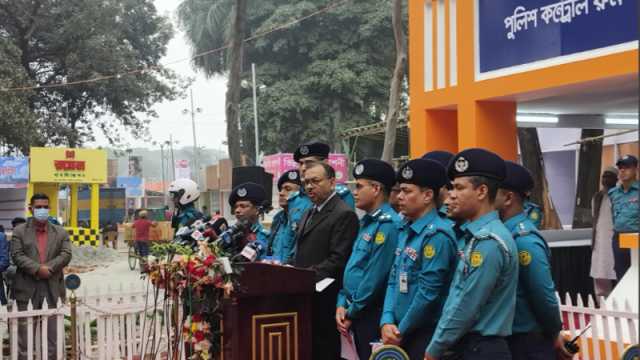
(59, 42)
(322, 75)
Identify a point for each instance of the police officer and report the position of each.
(281, 239)
(537, 320)
(365, 277)
(184, 193)
(442, 157)
(533, 211)
(247, 200)
(424, 263)
(626, 215)
(479, 311)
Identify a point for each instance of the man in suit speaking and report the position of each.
(323, 244)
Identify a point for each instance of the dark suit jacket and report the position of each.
(325, 244)
(26, 257)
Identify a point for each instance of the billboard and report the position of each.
(183, 171)
(516, 32)
(133, 185)
(277, 164)
(64, 165)
(14, 172)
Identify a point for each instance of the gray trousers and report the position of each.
(52, 330)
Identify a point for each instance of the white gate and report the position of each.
(136, 324)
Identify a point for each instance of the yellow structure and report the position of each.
(456, 105)
(51, 167)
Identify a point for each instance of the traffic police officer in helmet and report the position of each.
(478, 314)
(360, 300)
(184, 193)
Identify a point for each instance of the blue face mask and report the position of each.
(41, 214)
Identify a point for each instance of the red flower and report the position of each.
(199, 335)
(209, 260)
(196, 317)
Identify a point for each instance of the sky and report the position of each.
(208, 94)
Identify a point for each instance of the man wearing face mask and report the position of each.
(40, 250)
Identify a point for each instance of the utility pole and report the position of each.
(196, 167)
(173, 159)
(255, 113)
(164, 190)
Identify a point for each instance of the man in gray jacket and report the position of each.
(40, 250)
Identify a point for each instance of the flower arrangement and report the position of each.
(199, 278)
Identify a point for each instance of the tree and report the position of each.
(315, 78)
(62, 42)
(589, 163)
(532, 159)
(395, 91)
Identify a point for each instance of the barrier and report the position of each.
(83, 236)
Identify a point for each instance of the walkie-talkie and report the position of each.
(572, 346)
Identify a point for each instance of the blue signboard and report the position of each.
(14, 172)
(133, 185)
(516, 32)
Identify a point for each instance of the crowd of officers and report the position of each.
(446, 264)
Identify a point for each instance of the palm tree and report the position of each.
(202, 21)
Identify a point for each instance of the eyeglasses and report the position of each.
(313, 182)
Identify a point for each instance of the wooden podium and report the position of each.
(269, 317)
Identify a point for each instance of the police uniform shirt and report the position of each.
(421, 274)
(260, 236)
(534, 213)
(625, 209)
(483, 292)
(537, 308)
(281, 238)
(365, 276)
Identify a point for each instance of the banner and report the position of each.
(516, 32)
(14, 172)
(278, 164)
(183, 171)
(133, 185)
(64, 165)
(135, 166)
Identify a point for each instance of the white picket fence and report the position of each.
(110, 325)
(613, 327)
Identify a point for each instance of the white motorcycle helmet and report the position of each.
(186, 190)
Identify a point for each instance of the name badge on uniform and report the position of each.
(404, 282)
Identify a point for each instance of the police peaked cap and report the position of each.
(291, 176)
(443, 157)
(627, 160)
(424, 173)
(518, 178)
(311, 149)
(247, 192)
(377, 170)
(477, 162)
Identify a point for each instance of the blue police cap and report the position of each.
(421, 172)
(441, 156)
(377, 170)
(627, 160)
(291, 176)
(311, 149)
(247, 192)
(518, 178)
(476, 162)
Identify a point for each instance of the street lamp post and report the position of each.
(255, 113)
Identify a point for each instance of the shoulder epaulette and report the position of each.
(341, 189)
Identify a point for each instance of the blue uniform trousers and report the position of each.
(366, 330)
(416, 342)
(621, 257)
(531, 346)
(474, 346)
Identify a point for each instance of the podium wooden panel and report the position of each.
(269, 317)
